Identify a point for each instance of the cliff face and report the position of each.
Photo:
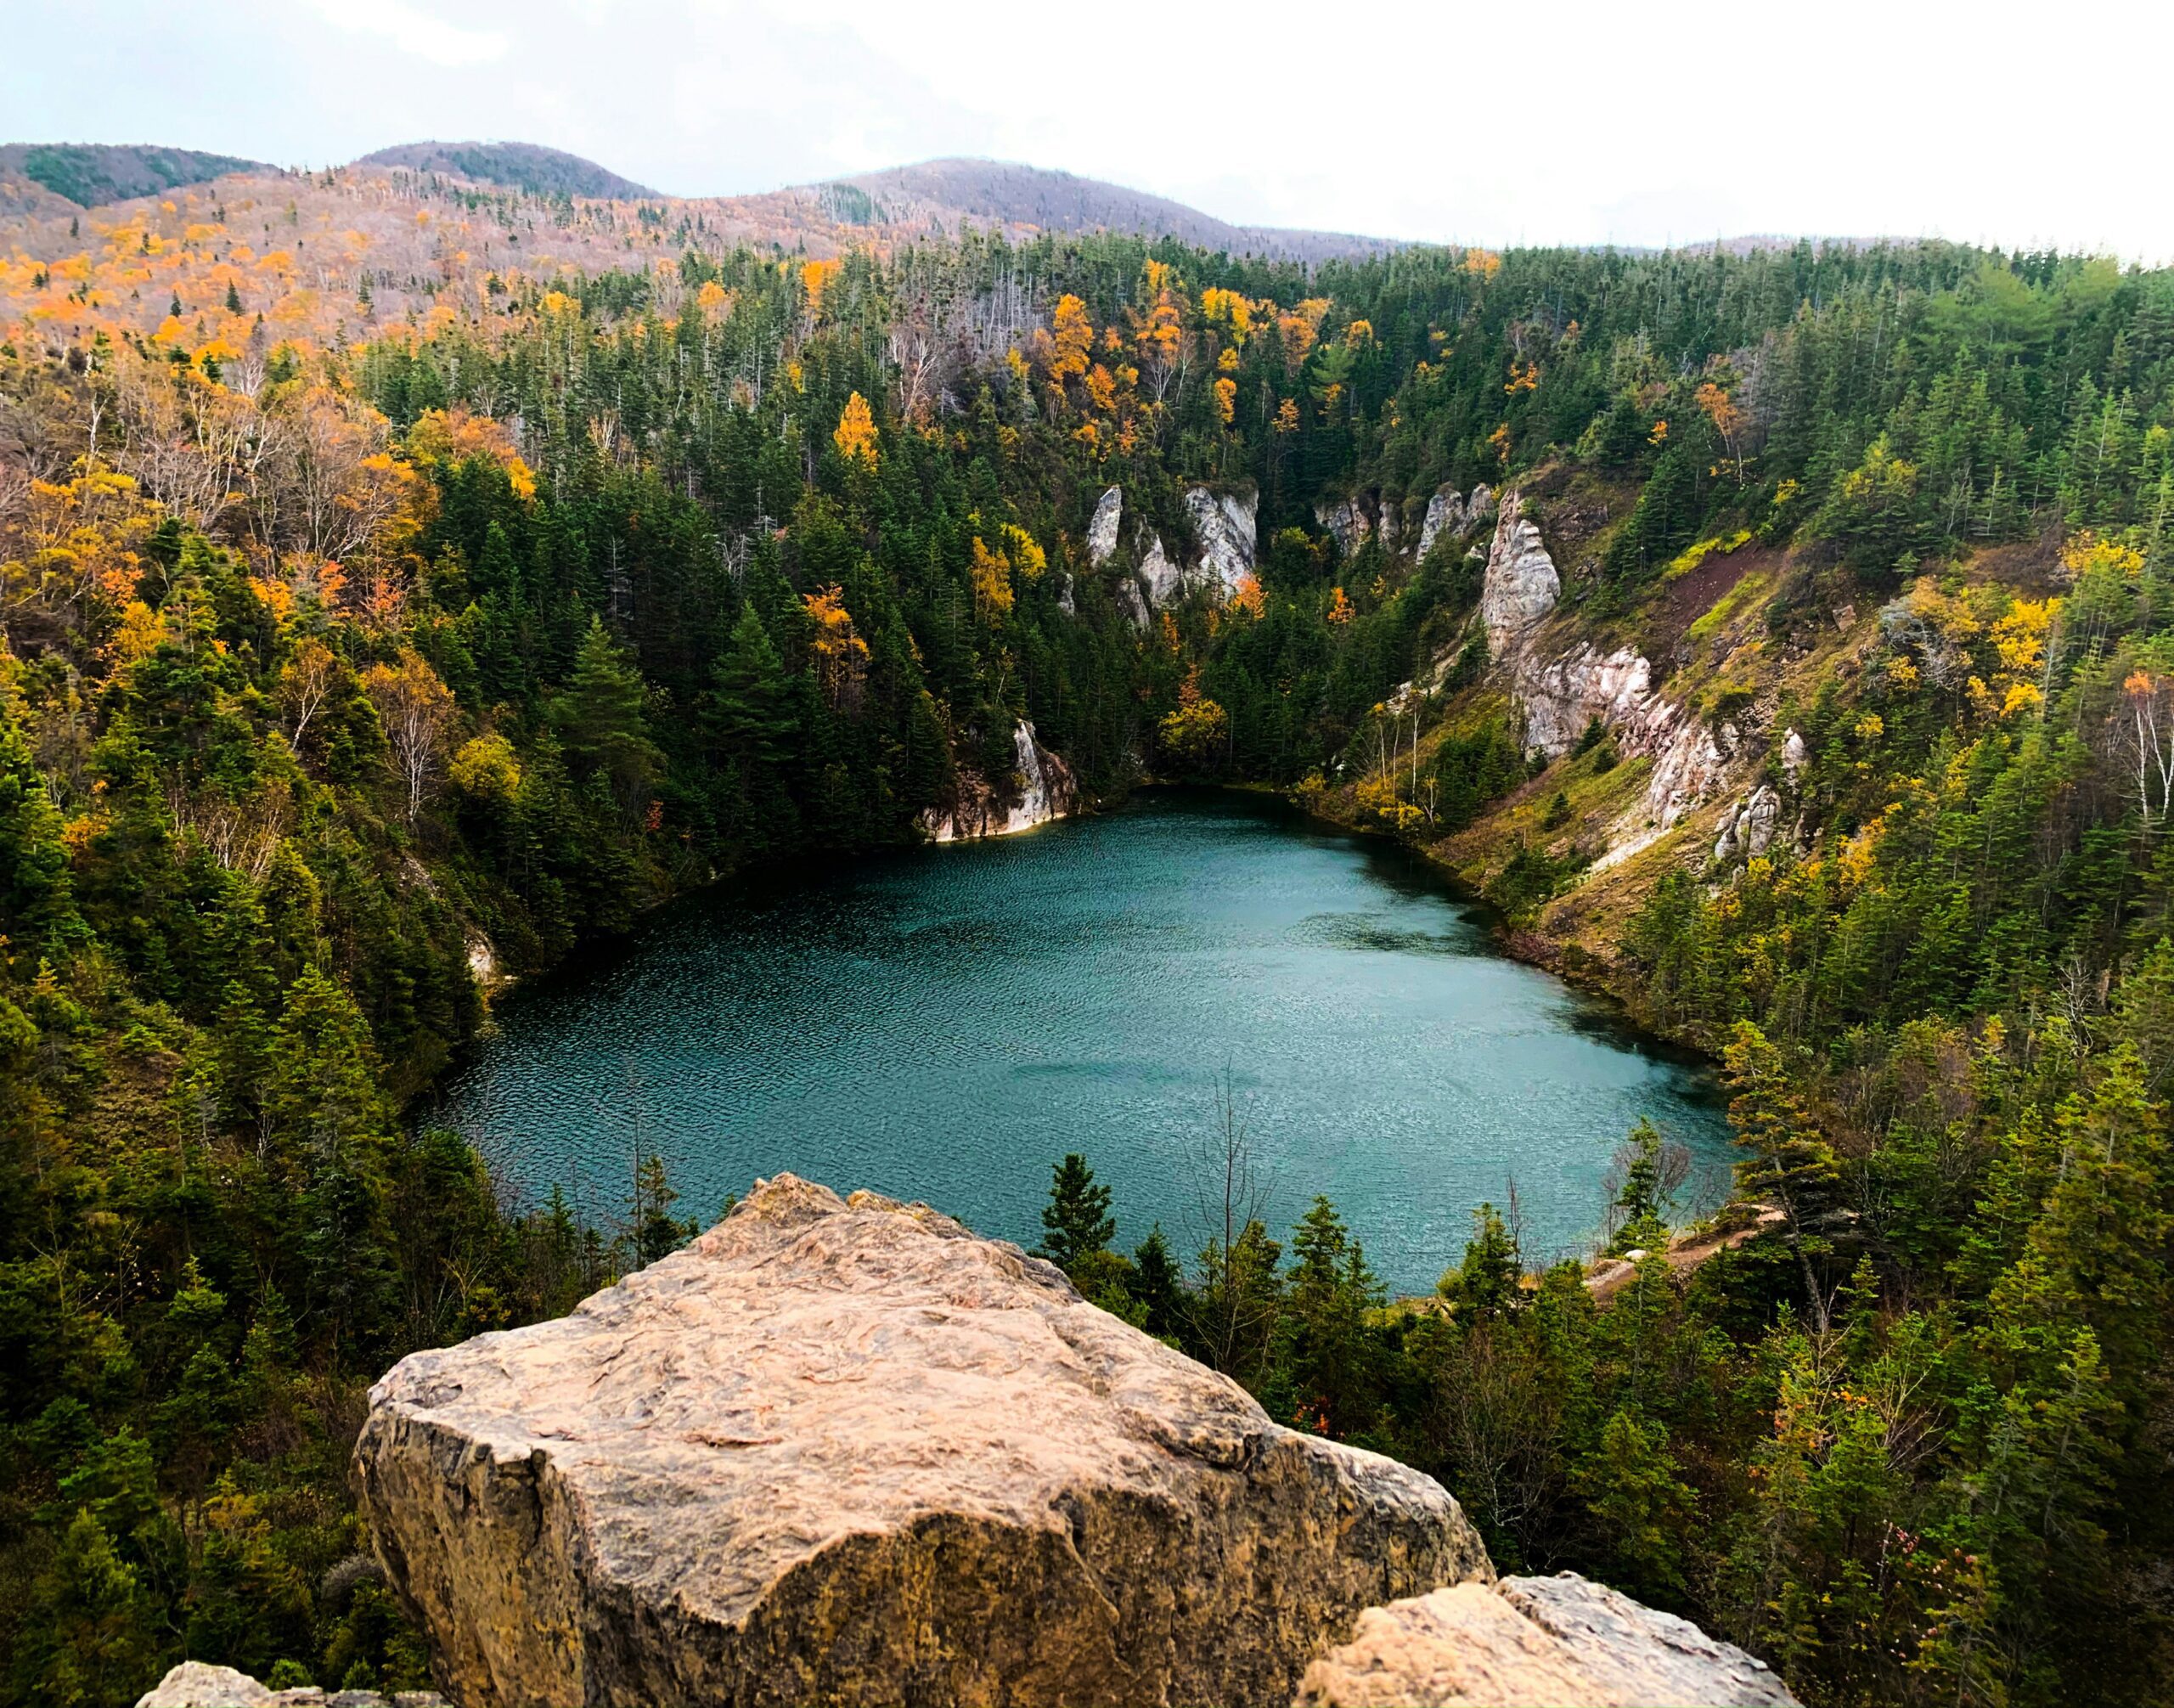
(1224, 523)
(843, 1451)
(1560, 684)
(1521, 585)
(1044, 790)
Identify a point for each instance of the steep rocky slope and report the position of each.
(1687, 683)
(1039, 789)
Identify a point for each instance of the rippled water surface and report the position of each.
(943, 1024)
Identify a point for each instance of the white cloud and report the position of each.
(413, 31)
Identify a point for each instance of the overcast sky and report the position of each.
(1639, 121)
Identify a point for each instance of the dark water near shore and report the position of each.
(944, 1024)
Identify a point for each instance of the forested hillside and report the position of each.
(516, 166)
(352, 656)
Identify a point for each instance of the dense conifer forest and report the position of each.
(342, 671)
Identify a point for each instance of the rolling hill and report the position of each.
(513, 166)
(1016, 196)
(91, 174)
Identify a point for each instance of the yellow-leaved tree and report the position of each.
(855, 433)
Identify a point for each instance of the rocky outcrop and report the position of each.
(194, 1684)
(1561, 696)
(1102, 531)
(1345, 521)
(1793, 753)
(1448, 515)
(1225, 525)
(1537, 1641)
(1043, 790)
(1521, 585)
(843, 1450)
(1746, 829)
(1691, 767)
(1162, 580)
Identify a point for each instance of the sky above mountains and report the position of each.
(1676, 121)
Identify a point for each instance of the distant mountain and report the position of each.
(1003, 193)
(42, 187)
(90, 174)
(513, 166)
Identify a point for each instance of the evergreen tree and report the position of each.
(602, 717)
(1076, 1221)
(1157, 1283)
(1640, 1206)
(1488, 1280)
(1643, 1510)
(1785, 1162)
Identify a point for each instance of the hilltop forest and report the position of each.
(359, 655)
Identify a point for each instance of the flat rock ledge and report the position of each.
(1535, 1642)
(196, 1684)
(843, 1450)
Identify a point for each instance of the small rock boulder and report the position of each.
(196, 1685)
(843, 1450)
(1535, 1642)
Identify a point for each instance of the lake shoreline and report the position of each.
(876, 1022)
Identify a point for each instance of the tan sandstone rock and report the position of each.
(1535, 1642)
(845, 1451)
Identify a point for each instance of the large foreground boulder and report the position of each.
(843, 1450)
(1535, 1642)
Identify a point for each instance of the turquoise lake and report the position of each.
(943, 1024)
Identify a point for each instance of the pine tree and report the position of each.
(656, 1234)
(1487, 1280)
(602, 717)
(37, 898)
(1641, 1507)
(1329, 1362)
(1077, 1219)
(752, 713)
(1640, 1203)
(1157, 1283)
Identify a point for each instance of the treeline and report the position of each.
(333, 676)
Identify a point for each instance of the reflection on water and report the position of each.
(943, 1024)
